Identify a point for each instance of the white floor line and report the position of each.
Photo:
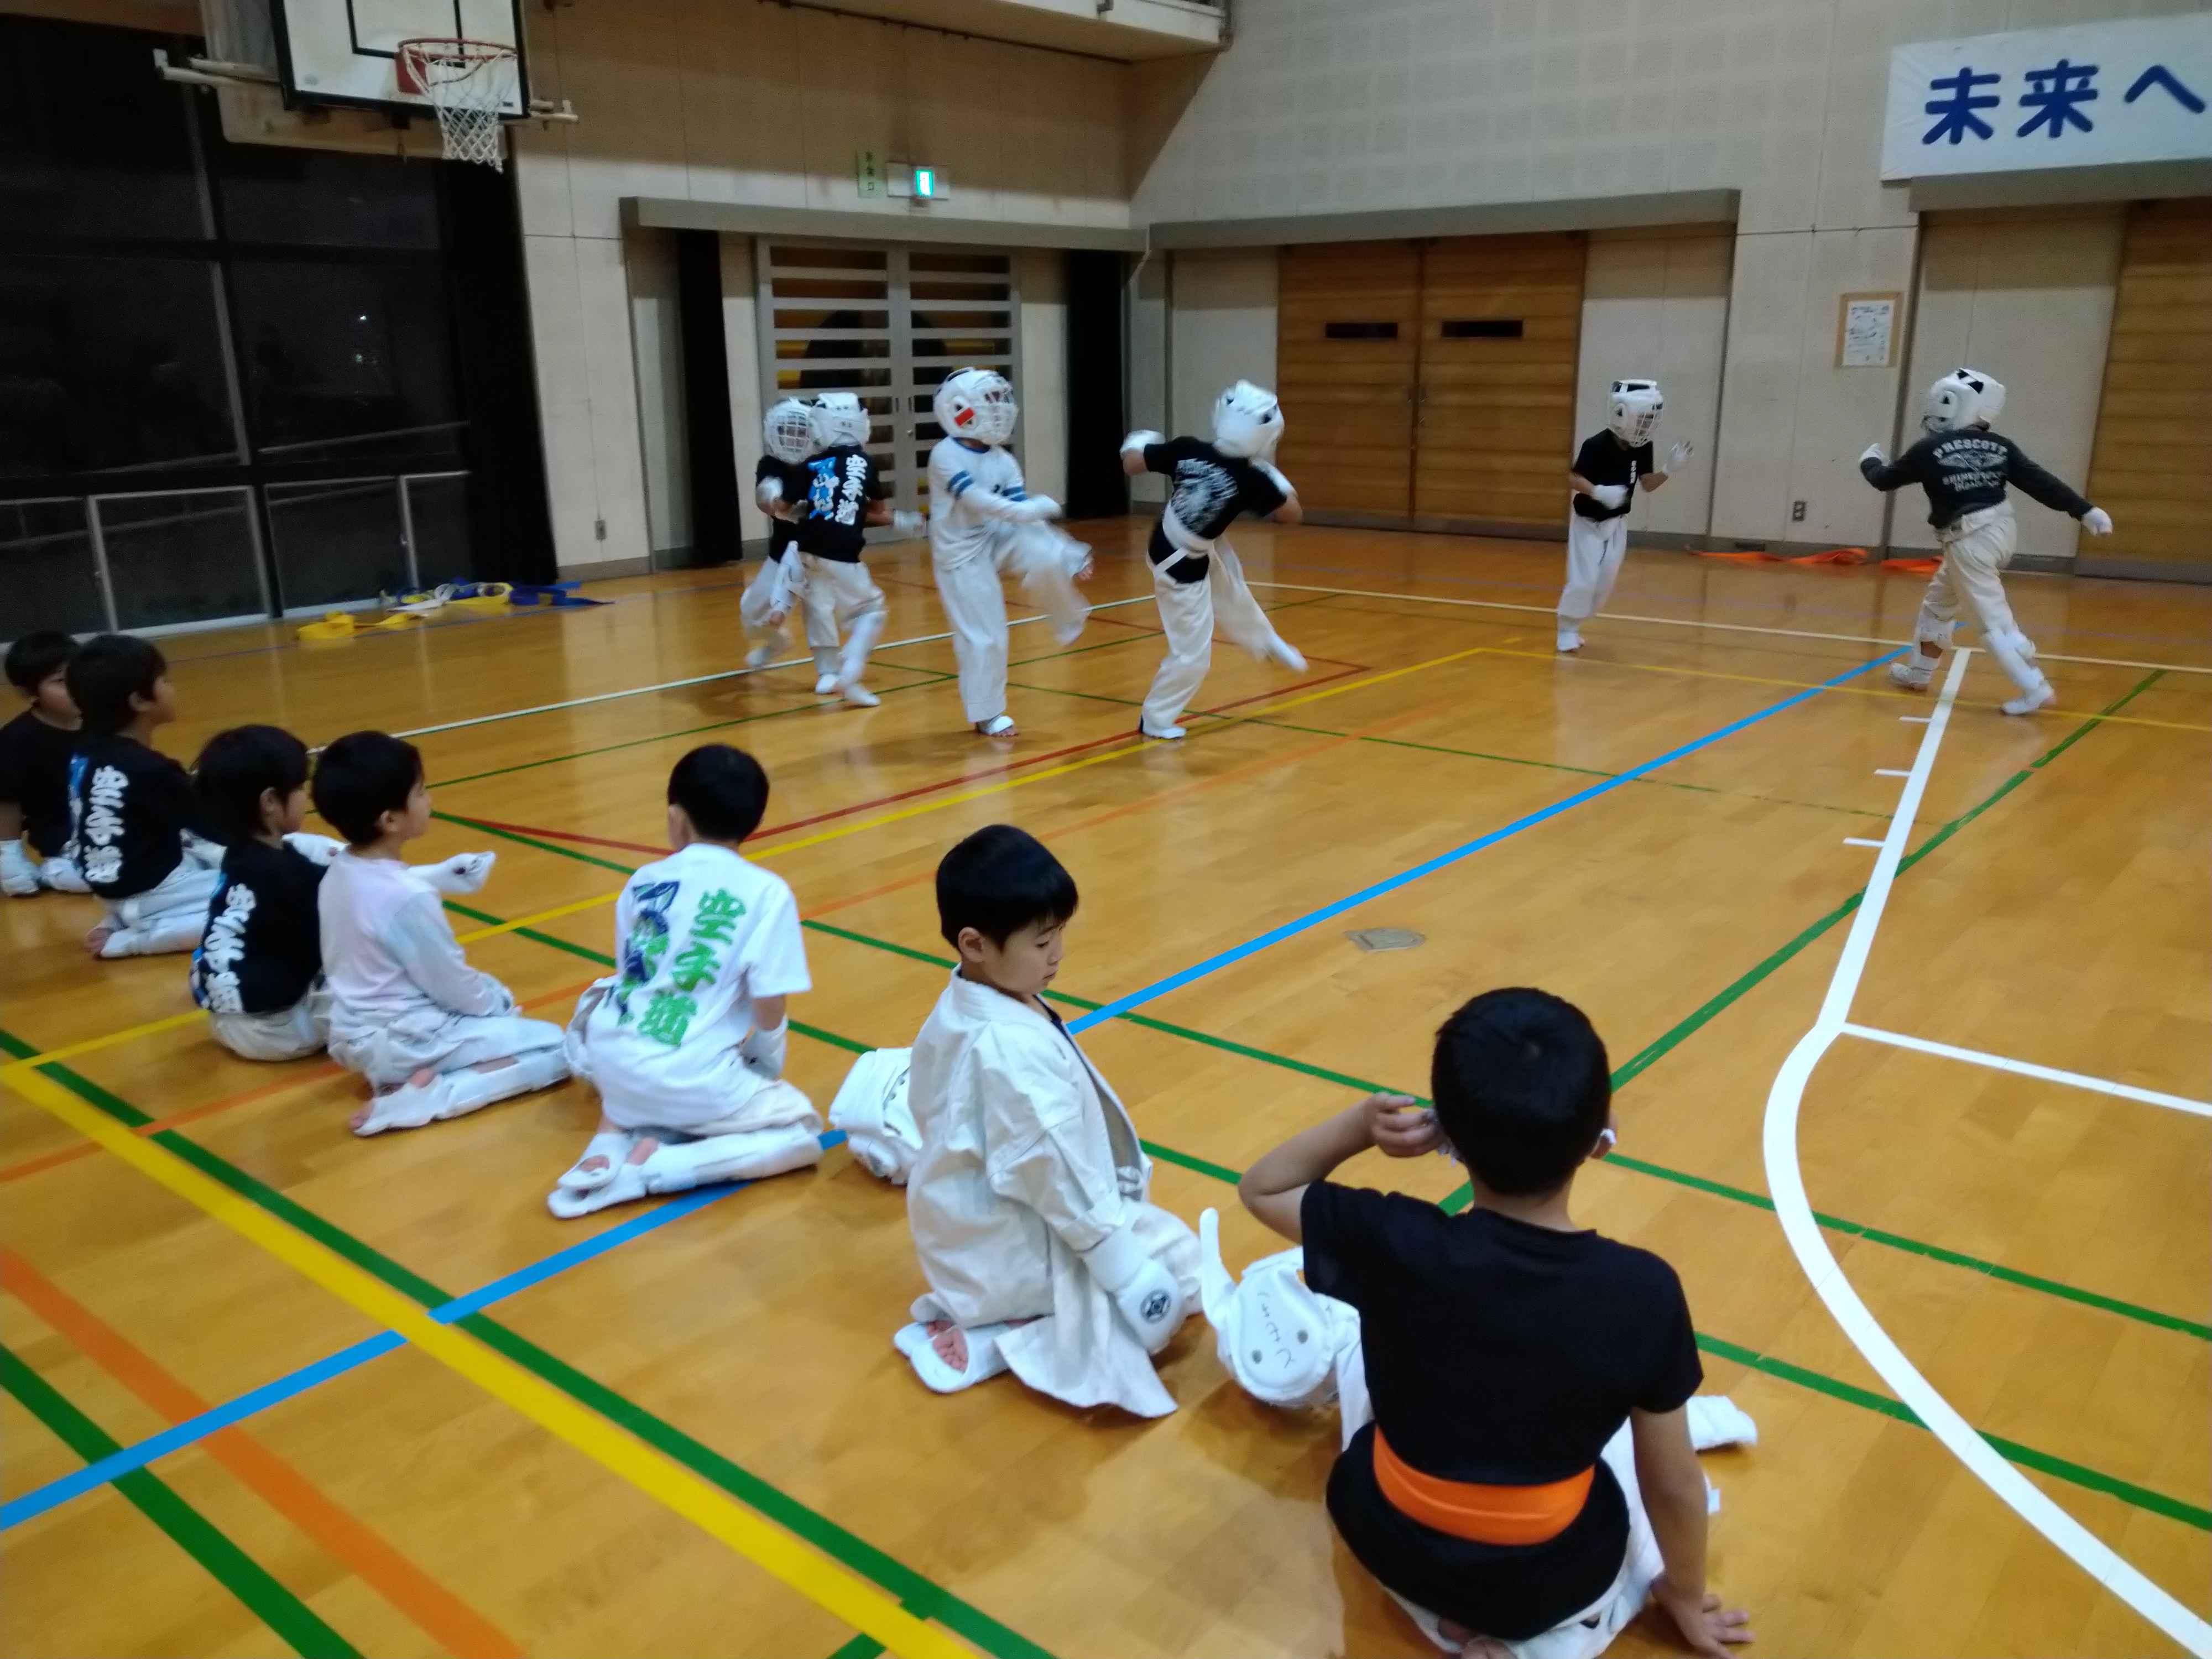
(702, 679)
(1859, 841)
(1785, 1183)
(1890, 772)
(2029, 1069)
(1685, 622)
(1913, 720)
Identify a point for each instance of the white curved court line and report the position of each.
(1686, 622)
(2029, 1069)
(1786, 1185)
(702, 679)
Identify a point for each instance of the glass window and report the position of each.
(438, 518)
(47, 568)
(92, 142)
(181, 555)
(337, 539)
(111, 363)
(349, 364)
(275, 193)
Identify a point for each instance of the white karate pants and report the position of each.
(169, 917)
(767, 592)
(387, 1055)
(1189, 612)
(1975, 551)
(1595, 548)
(843, 596)
(292, 1033)
(1044, 560)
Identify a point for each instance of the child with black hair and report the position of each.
(1028, 1200)
(435, 1037)
(685, 1043)
(34, 757)
(259, 970)
(1527, 1468)
(141, 839)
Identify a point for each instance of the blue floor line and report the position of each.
(1443, 861)
(193, 1430)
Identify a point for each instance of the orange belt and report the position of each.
(1483, 1514)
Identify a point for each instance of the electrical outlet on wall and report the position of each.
(1796, 511)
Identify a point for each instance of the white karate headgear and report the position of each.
(838, 418)
(787, 431)
(1962, 398)
(1248, 422)
(976, 403)
(1275, 1335)
(1634, 409)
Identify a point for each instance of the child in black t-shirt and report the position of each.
(34, 756)
(1606, 470)
(139, 834)
(845, 495)
(1196, 577)
(1527, 1469)
(780, 488)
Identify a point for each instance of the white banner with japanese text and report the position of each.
(2089, 94)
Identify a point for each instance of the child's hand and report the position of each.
(1709, 1629)
(1399, 1129)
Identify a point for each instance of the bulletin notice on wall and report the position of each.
(1867, 330)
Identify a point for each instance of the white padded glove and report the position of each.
(1037, 507)
(19, 876)
(1141, 439)
(2097, 521)
(1875, 453)
(908, 524)
(1678, 457)
(1274, 476)
(767, 494)
(1609, 494)
(1144, 1291)
(763, 1051)
(464, 872)
(316, 849)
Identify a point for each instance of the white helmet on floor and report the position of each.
(1248, 422)
(838, 418)
(976, 403)
(1963, 398)
(1632, 410)
(1276, 1336)
(788, 430)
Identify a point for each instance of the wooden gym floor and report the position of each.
(420, 1416)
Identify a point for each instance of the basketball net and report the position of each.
(468, 83)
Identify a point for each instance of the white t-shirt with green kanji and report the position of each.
(698, 936)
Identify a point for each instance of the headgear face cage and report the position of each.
(976, 403)
(838, 418)
(1963, 398)
(1248, 422)
(787, 431)
(1634, 413)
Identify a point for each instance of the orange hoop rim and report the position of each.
(456, 49)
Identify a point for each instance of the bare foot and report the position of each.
(950, 1341)
(645, 1148)
(1471, 1645)
(96, 940)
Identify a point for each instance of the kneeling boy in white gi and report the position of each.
(685, 1045)
(1964, 467)
(1028, 1200)
(1196, 576)
(435, 1037)
(1607, 469)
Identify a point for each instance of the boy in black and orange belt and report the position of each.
(1529, 1470)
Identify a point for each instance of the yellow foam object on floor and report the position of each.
(344, 624)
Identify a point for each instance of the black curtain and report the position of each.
(712, 449)
(510, 526)
(1096, 487)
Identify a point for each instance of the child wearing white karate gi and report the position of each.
(1028, 1202)
(685, 1044)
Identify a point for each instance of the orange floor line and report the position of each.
(441, 1615)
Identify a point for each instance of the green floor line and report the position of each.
(1633, 1067)
(230, 1567)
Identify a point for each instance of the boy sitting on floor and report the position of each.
(686, 1044)
(34, 761)
(1527, 1470)
(1028, 1200)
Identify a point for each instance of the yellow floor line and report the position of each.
(831, 1587)
(151, 1028)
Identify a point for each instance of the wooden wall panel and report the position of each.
(1348, 404)
(2153, 450)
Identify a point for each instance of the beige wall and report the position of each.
(1409, 103)
(2027, 295)
(1656, 303)
(1224, 315)
(657, 346)
(1041, 278)
(700, 103)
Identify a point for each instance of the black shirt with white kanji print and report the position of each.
(1604, 459)
(264, 945)
(839, 484)
(1967, 470)
(131, 807)
(34, 762)
(782, 533)
(1211, 489)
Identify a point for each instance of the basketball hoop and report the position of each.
(468, 82)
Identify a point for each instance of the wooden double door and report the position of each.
(1431, 382)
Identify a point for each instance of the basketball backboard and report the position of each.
(345, 52)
